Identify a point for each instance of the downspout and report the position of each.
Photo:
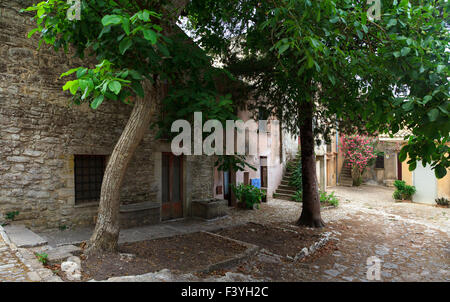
(337, 155)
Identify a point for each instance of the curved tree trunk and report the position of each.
(311, 203)
(106, 233)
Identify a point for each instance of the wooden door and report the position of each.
(172, 186)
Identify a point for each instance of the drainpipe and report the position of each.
(337, 155)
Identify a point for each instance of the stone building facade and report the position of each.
(41, 134)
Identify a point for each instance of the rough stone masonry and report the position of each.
(40, 132)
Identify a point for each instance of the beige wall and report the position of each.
(286, 145)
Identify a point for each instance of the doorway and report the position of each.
(172, 186)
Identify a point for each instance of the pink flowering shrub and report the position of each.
(359, 151)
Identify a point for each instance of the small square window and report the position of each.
(89, 171)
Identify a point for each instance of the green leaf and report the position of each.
(397, 54)
(74, 87)
(32, 32)
(412, 166)
(124, 45)
(427, 98)
(115, 87)
(135, 75)
(440, 68)
(334, 20)
(408, 106)
(440, 171)
(360, 34)
(283, 48)
(164, 50)
(150, 35)
(433, 114)
(137, 88)
(126, 26)
(405, 51)
(402, 155)
(69, 73)
(391, 23)
(111, 19)
(97, 101)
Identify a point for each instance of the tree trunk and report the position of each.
(311, 203)
(106, 233)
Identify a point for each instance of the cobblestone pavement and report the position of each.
(11, 267)
(410, 242)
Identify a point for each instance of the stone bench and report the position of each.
(139, 214)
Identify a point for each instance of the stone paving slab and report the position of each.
(23, 237)
(12, 269)
(61, 253)
(57, 238)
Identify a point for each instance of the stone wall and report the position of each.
(40, 133)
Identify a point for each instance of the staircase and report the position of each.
(345, 178)
(284, 190)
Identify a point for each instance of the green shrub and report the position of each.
(397, 195)
(400, 185)
(404, 191)
(248, 194)
(408, 192)
(328, 198)
(298, 197)
(11, 215)
(442, 201)
(296, 178)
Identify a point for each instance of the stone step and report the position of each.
(346, 182)
(61, 253)
(23, 237)
(283, 196)
(281, 191)
(290, 188)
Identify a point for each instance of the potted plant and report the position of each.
(248, 196)
(442, 202)
(403, 192)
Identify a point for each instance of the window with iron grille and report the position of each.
(379, 164)
(89, 171)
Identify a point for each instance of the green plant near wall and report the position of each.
(404, 191)
(248, 195)
(296, 178)
(328, 199)
(42, 258)
(442, 201)
(298, 196)
(11, 215)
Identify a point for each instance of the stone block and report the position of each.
(210, 208)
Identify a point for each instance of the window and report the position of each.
(379, 163)
(89, 171)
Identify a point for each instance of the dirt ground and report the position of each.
(409, 241)
(184, 253)
(280, 239)
(401, 241)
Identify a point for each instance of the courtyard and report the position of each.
(410, 241)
